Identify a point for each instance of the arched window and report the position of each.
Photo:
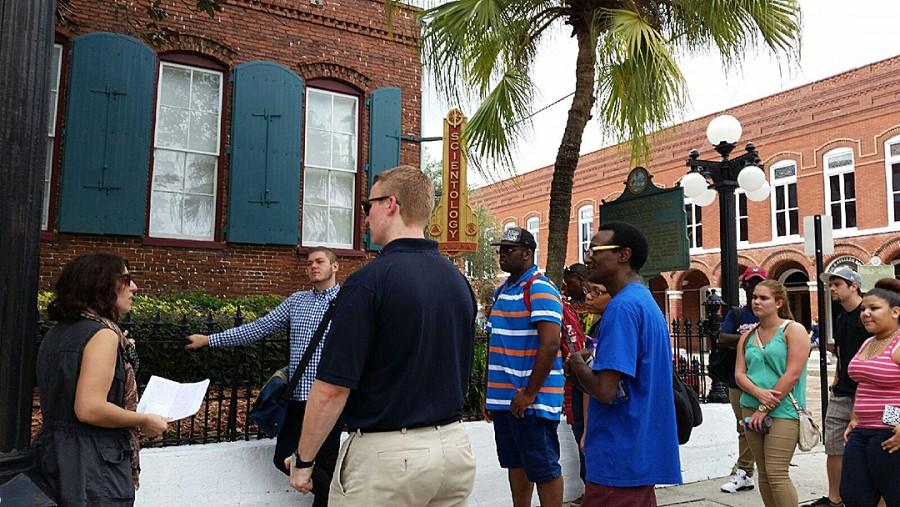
(186, 148)
(508, 225)
(785, 211)
(844, 261)
(694, 219)
(840, 188)
(55, 71)
(533, 225)
(330, 164)
(585, 228)
(892, 172)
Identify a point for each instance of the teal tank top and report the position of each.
(765, 375)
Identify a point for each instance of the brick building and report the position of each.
(214, 157)
(840, 134)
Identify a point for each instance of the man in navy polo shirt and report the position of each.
(631, 442)
(397, 362)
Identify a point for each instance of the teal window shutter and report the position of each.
(384, 134)
(107, 135)
(264, 173)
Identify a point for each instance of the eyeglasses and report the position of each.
(367, 203)
(595, 292)
(126, 278)
(590, 249)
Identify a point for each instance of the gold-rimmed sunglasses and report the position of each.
(590, 249)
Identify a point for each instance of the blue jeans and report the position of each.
(869, 472)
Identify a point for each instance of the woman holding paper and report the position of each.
(85, 370)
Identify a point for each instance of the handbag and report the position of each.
(810, 434)
(270, 408)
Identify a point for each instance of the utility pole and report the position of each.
(26, 43)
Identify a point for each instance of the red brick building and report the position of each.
(214, 157)
(830, 147)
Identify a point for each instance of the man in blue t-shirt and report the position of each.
(525, 377)
(737, 322)
(631, 443)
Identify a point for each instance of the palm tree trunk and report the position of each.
(567, 156)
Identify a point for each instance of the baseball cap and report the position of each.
(844, 272)
(517, 236)
(753, 272)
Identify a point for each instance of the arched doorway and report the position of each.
(797, 284)
(693, 287)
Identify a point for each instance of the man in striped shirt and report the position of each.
(525, 378)
(300, 313)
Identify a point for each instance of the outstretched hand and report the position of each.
(197, 341)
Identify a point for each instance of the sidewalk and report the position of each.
(807, 473)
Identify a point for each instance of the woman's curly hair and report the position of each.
(89, 281)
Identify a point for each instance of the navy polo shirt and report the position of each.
(402, 339)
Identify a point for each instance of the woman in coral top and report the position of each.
(871, 462)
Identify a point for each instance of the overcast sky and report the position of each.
(837, 36)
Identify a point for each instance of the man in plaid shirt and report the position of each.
(301, 312)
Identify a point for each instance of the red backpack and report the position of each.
(571, 335)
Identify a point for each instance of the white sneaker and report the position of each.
(739, 482)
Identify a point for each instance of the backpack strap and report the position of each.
(288, 391)
(526, 292)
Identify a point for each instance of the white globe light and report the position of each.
(706, 198)
(693, 184)
(751, 178)
(724, 128)
(761, 193)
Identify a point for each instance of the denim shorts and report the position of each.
(530, 443)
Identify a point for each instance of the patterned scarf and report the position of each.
(131, 363)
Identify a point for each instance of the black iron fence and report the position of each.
(690, 352)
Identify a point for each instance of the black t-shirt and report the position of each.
(402, 339)
(849, 334)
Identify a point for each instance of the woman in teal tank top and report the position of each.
(771, 363)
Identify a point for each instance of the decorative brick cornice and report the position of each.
(781, 260)
(889, 250)
(405, 31)
(331, 70)
(696, 265)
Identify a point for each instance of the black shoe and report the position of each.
(824, 502)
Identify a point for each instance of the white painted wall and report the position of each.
(241, 473)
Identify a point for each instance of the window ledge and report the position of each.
(185, 243)
(47, 235)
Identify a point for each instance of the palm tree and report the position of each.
(483, 51)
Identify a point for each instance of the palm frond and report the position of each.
(494, 127)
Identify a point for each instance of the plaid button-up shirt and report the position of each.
(301, 312)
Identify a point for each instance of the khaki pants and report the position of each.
(773, 452)
(432, 466)
(745, 457)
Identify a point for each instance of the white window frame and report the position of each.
(508, 225)
(777, 185)
(51, 137)
(843, 199)
(738, 217)
(216, 153)
(693, 248)
(585, 218)
(889, 160)
(307, 166)
(533, 225)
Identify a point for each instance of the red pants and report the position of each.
(596, 495)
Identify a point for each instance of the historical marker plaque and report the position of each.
(659, 214)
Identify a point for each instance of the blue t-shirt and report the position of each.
(515, 343)
(732, 326)
(634, 441)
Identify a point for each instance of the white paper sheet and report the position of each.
(172, 399)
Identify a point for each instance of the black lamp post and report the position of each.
(707, 179)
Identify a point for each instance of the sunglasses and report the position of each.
(367, 203)
(506, 250)
(126, 278)
(589, 250)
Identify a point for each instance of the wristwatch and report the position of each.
(762, 408)
(299, 463)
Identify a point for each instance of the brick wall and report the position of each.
(858, 109)
(348, 41)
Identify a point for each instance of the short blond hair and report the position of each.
(413, 188)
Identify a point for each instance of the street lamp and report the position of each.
(708, 178)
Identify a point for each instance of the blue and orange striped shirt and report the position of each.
(515, 342)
